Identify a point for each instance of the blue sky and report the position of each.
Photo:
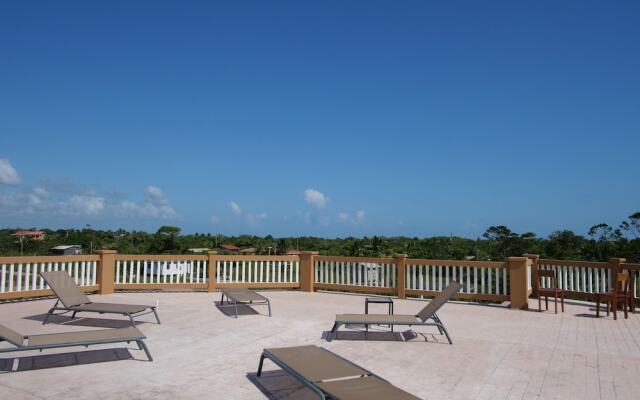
(325, 118)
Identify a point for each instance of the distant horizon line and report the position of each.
(478, 237)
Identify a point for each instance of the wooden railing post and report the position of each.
(401, 279)
(212, 265)
(518, 282)
(106, 271)
(307, 270)
(535, 282)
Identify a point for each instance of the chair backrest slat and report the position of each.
(542, 273)
(65, 288)
(438, 301)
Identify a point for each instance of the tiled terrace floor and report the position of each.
(200, 352)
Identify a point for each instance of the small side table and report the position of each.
(378, 300)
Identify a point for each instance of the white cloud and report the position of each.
(235, 208)
(343, 217)
(154, 194)
(8, 174)
(89, 205)
(40, 192)
(256, 219)
(155, 205)
(360, 217)
(214, 219)
(315, 198)
(33, 199)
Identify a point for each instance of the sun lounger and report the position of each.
(71, 339)
(420, 319)
(72, 299)
(237, 296)
(331, 376)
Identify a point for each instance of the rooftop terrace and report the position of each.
(201, 352)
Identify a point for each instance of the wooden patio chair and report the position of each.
(619, 295)
(552, 291)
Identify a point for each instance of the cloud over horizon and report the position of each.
(8, 174)
(316, 198)
(235, 208)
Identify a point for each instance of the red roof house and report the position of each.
(229, 247)
(32, 234)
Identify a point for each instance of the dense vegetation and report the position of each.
(601, 243)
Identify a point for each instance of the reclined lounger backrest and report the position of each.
(65, 288)
(434, 305)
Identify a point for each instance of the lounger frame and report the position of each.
(233, 301)
(86, 343)
(79, 301)
(75, 310)
(429, 312)
(436, 322)
(321, 394)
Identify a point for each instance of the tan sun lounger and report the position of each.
(420, 319)
(237, 296)
(71, 339)
(75, 300)
(331, 376)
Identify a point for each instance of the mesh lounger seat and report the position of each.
(420, 319)
(237, 296)
(331, 376)
(71, 339)
(72, 299)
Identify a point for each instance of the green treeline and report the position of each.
(600, 243)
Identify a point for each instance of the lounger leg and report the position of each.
(269, 306)
(155, 312)
(441, 327)
(260, 365)
(333, 333)
(222, 299)
(46, 319)
(133, 323)
(236, 304)
(437, 320)
(74, 314)
(446, 334)
(146, 350)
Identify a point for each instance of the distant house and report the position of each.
(31, 235)
(249, 251)
(67, 250)
(230, 248)
(199, 250)
(293, 252)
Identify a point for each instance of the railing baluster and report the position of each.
(11, 277)
(19, 280)
(27, 275)
(3, 278)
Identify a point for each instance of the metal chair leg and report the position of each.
(260, 365)
(333, 332)
(46, 319)
(155, 312)
(146, 350)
